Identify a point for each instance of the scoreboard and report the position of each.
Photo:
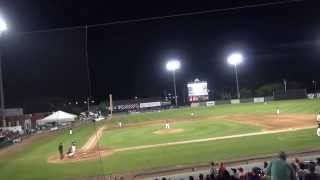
(198, 91)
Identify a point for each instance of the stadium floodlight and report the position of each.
(3, 27)
(235, 59)
(173, 65)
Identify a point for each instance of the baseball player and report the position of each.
(318, 122)
(120, 124)
(318, 118)
(278, 110)
(70, 131)
(167, 125)
(72, 150)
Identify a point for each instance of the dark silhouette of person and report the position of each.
(60, 148)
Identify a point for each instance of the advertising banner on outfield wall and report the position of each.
(235, 101)
(150, 104)
(258, 100)
(211, 103)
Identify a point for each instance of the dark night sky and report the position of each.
(128, 60)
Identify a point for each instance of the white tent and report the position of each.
(59, 117)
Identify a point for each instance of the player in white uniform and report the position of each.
(72, 150)
(70, 131)
(318, 122)
(167, 125)
(318, 130)
(278, 110)
(120, 124)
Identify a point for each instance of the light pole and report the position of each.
(173, 65)
(3, 27)
(315, 86)
(235, 59)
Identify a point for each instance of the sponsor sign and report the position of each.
(258, 100)
(235, 101)
(210, 103)
(150, 104)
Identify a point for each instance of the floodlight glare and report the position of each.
(173, 65)
(235, 59)
(3, 25)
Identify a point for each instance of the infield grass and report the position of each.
(137, 136)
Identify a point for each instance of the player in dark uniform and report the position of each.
(60, 148)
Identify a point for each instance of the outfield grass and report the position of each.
(136, 136)
(304, 106)
(31, 162)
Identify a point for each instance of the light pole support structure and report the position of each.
(3, 116)
(237, 81)
(174, 87)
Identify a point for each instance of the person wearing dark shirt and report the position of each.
(60, 148)
(312, 175)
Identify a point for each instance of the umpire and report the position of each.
(60, 148)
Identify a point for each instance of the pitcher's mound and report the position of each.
(168, 131)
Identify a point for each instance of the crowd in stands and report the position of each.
(10, 135)
(279, 169)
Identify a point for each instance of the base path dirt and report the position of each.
(88, 151)
(93, 140)
(273, 121)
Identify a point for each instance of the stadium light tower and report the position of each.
(173, 65)
(235, 59)
(315, 86)
(3, 28)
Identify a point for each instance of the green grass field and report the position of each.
(31, 162)
(136, 136)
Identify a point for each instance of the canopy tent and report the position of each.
(59, 117)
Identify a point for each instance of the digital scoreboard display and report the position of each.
(198, 91)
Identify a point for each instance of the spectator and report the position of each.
(212, 177)
(222, 168)
(318, 166)
(312, 175)
(191, 178)
(265, 166)
(242, 174)
(280, 169)
(201, 177)
(213, 171)
(296, 161)
(295, 169)
(301, 171)
(234, 175)
(255, 174)
(223, 173)
(208, 177)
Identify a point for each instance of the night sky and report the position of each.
(127, 60)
